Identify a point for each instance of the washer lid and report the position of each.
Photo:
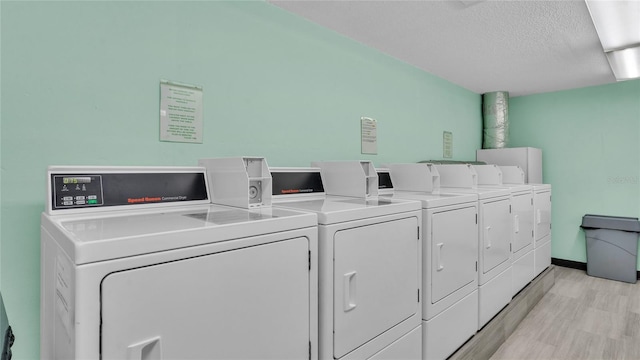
(483, 192)
(120, 234)
(335, 209)
(513, 188)
(431, 200)
(541, 187)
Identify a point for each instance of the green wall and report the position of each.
(591, 154)
(80, 85)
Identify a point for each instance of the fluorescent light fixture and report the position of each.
(625, 63)
(617, 23)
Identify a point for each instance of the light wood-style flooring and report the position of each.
(581, 317)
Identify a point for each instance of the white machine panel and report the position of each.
(488, 174)
(542, 254)
(373, 291)
(512, 174)
(458, 176)
(415, 177)
(243, 182)
(453, 250)
(209, 306)
(448, 330)
(527, 158)
(523, 270)
(349, 178)
(542, 227)
(494, 295)
(406, 348)
(542, 220)
(522, 211)
(495, 226)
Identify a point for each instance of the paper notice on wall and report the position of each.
(447, 145)
(369, 136)
(63, 291)
(180, 112)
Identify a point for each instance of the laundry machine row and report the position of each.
(520, 212)
(343, 269)
(503, 230)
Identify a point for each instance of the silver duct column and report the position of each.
(495, 118)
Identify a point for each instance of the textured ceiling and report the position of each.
(524, 47)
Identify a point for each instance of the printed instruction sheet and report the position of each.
(180, 112)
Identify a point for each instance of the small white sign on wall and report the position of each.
(180, 112)
(369, 136)
(447, 145)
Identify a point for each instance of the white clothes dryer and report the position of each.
(137, 264)
(494, 235)
(542, 217)
(449, 253)
(522, 253)
(370, 256)
(542, 226)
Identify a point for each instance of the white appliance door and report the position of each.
(249, 303)
(375, 280)
(522, 214)
(496, 234)
(542, 214)
(454, 251)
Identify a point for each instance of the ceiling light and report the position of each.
(617, 22)
(625, 63)
(618, 26)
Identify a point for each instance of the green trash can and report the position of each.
(612, 246)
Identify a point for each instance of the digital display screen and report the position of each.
(76, 180)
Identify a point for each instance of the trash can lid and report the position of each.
(610, 222)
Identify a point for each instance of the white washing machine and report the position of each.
(541, 220)
(494, 238)
(370, 256)
(137, 264)
(449, 253)
(522, 254)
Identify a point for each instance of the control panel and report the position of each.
(74, 191)
(93, 189)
